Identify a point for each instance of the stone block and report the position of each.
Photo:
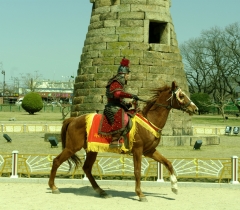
(131, 23)
(151, 61)
(102, 10)
(161, 3)
(121, 8)
(97, 91)
(101, 39)
(84, 78)
(78, 100)
(131, 15)
(95, 25)
(101, 83)
(139, 46)
(152, 54)
(81, 92)
(109, 53)
(129, 30)
(89, 55)
(147, 8)
(139, 68)
(175, 141)
(101, 76)
(130, 38)
(95, 18)
(138, 77)
(132, 53)
(134, 2)
(101, 31)
(109, 16)
(117, 45)
(103, 61)
(111, 23)
(89, 70)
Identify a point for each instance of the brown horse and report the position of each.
(74, 138)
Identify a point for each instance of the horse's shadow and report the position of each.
(89, 191)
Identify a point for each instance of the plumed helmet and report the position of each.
(124, 68)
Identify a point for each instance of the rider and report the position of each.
(115, 115)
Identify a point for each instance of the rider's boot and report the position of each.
(117, 140)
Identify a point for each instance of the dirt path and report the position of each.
(31, 196)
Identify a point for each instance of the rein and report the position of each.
(169, 106)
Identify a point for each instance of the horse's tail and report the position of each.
(74, 158)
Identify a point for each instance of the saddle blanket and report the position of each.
(100, 143)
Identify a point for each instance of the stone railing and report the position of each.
(30, 128)
(56, 127)
(121, 166)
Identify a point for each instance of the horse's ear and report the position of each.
(174, 85)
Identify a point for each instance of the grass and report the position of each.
(37, 117)
(205, 120)
(216, 120)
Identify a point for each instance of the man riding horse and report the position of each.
(115, 116)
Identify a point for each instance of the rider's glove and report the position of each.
(135, 97)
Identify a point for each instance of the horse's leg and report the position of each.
(63, 156)
(160, 158)
(87, 168)
(137, 160)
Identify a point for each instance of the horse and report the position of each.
(156, 111)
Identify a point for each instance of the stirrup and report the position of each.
(116, 143)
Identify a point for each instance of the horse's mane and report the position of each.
(156, 92)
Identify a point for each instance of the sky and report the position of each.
(46, 37)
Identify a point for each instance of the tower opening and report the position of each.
(158, 33)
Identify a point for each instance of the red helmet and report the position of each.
(124, 68)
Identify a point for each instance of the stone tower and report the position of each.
(143, 32)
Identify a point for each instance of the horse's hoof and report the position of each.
(105, 195)
(56, 191)
(174, 190)
(143, 199)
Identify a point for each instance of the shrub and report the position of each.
(32, 103)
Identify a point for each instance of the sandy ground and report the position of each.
(31, 196)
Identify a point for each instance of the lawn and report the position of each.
(56, 115)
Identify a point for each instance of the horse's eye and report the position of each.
(181, 96)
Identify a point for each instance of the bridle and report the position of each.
(175, 94)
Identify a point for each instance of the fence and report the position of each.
(121, 167)
(46, 108)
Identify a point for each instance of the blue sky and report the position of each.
(46, 36)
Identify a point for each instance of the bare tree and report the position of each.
(212, 63)
(30, 80)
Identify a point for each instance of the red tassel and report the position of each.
(124, 62)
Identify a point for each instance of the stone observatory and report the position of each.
(143, 32)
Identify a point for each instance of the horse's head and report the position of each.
(179, 100)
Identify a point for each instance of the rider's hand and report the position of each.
(135, 97)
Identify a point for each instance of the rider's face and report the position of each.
(126, 76)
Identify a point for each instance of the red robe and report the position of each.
(115, 116)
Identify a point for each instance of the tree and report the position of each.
(30, 81)
(202, 101)
(32, 103)
(212, 63)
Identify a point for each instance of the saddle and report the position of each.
(101, 142)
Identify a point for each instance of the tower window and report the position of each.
(158, 33)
